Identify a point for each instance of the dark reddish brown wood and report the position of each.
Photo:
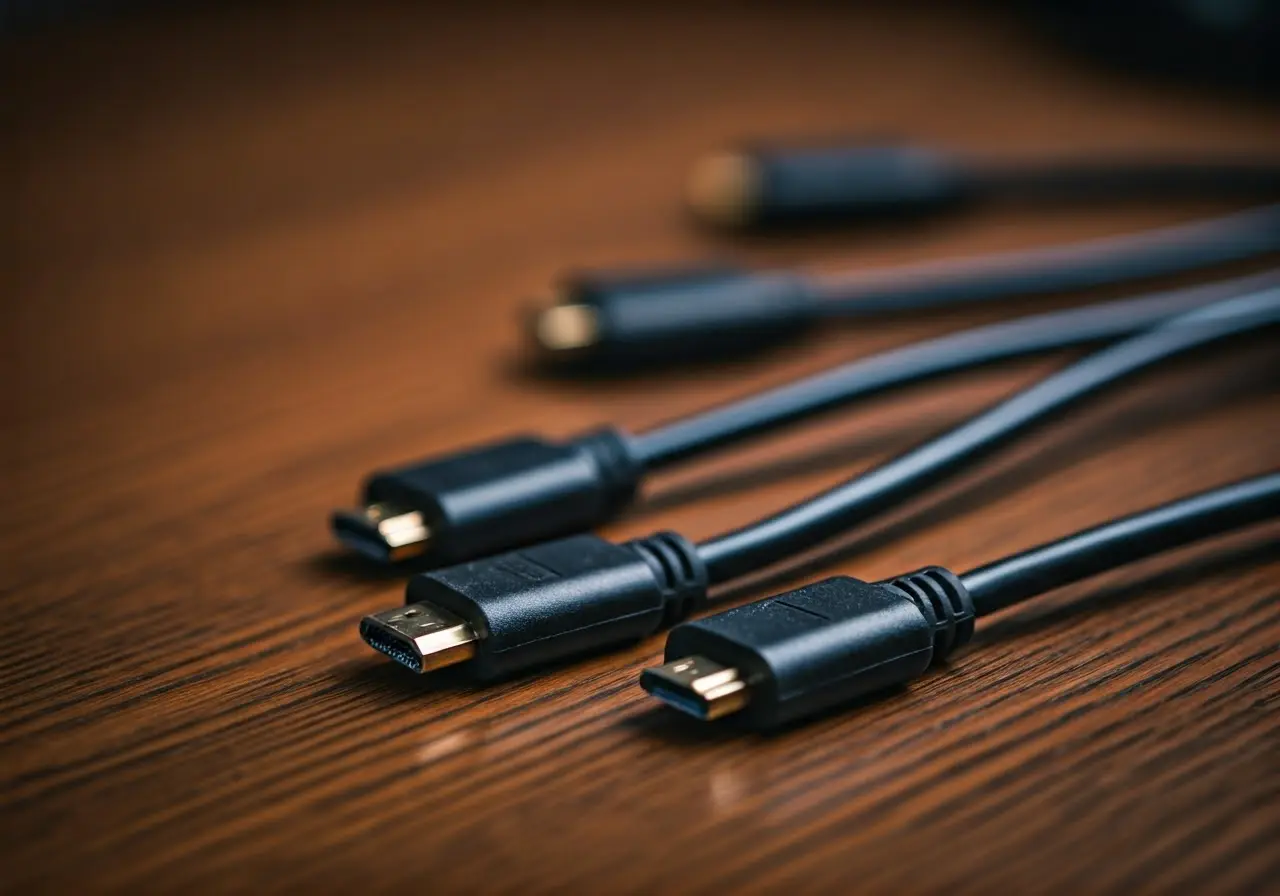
(255, 251)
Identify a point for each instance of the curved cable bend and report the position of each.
(804, 525)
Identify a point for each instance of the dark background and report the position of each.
(252, 251)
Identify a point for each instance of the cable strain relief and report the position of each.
(945, 601)
(681, 574)
(610, 450)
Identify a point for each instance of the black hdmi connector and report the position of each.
(526, 489)
(624, 323)
(506, 613)
(763, 186)
(795, 655)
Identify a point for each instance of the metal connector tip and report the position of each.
(724, 188)
(566, 327)
(698, 686)
(420, 636)
(383, 532)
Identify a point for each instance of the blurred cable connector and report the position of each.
(769, 186)
(495, 497)
(625, 323)
(383, 531)
(566, 328)
(724, 189)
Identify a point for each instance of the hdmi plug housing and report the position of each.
(785, 186)
(619, 322)
(489, 499)
(805, 651)
(541, 604)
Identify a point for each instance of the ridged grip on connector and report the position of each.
(944, 601)
(619, 472)
(679, 571)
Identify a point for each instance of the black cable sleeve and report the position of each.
(776, 186)
(775, 408)
(807, 524)
(1040, 569)
(1090, 180)
(1085, 265)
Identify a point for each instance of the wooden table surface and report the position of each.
(254, 252)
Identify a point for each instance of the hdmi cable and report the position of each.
(763, 186)
(622, 323)
(506, 613)
(779, 660)
(526, 489)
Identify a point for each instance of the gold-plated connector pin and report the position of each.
(566, 327)
(386, 532)
(724, 188)
(699, 686)
(420, 636)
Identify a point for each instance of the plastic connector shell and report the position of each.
(519, 491)
(686, 315)
(562, 598)
(831, 642)
(812, 185)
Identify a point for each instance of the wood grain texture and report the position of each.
(255, 251)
